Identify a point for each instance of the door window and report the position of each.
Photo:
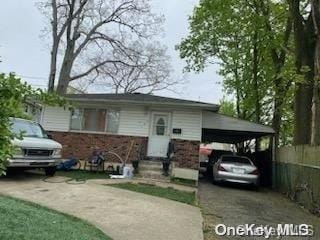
(160, 125)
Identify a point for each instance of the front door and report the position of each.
(159, 136)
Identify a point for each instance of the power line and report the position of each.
(31, 77)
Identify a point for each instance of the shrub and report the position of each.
(13, 94)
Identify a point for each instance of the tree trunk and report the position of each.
(256, 85)
(65, 73)
(315, 125)
(238, 109)
(255, 78)
(69, 55)
(304, 57)
(302, 114)
(54, 49)
(53, 66)
(276, 121)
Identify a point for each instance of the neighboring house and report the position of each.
(113, 121)
(33, 110)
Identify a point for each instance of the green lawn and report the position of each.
(20, 220)
(187, 182)
(169, 193)
(82, 175)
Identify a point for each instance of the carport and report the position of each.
(224, 129)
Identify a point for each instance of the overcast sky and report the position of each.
(22, 50)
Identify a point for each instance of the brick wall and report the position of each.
(186, 153)
(81, 144)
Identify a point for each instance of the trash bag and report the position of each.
(67, 165)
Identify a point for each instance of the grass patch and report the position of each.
(29, 221)
(82, 174)
(187, 182)
(169, 193)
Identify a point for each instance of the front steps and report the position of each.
(151, 170)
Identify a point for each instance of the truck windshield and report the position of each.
(28, 129)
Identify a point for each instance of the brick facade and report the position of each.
(81, 145)
(186, 153)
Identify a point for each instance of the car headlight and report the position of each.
(18, 151)
(57, 152)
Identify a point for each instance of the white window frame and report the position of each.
(106, 121)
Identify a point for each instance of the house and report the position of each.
(115, 121)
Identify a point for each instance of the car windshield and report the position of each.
(235, 159)
(28, 129)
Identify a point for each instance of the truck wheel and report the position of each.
(50, 171)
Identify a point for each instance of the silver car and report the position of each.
(230, 168)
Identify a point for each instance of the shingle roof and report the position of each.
(140, 98)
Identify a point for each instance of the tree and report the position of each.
(13, 94)
(304, 63)
(217, 30)
(150, 71)
(88, 33)
(251, 40)
(227, 108)
(315, 124)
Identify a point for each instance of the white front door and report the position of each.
(159, 136)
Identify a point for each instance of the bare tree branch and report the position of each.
(92, 34)
(150, 71)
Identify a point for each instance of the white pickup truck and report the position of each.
(35, 150)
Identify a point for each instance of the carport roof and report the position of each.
(220, 128)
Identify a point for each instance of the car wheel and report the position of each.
(50, 171)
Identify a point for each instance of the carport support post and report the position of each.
(257, 144)
(274, 159)
(273, 148)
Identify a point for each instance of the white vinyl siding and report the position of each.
(134, 121)
(190, 122)
(55, 119)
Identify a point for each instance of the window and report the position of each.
(235, 159)
(76, 119)
(96, 120)
(113, 121)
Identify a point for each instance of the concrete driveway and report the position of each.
(233, 205)
(121, 214)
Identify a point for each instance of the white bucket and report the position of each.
(127, 172)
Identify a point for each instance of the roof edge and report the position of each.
(202, 105)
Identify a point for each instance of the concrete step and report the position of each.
(151, 170)
(152, 174)
(143, 167)
(149, 162)
(150, 165)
